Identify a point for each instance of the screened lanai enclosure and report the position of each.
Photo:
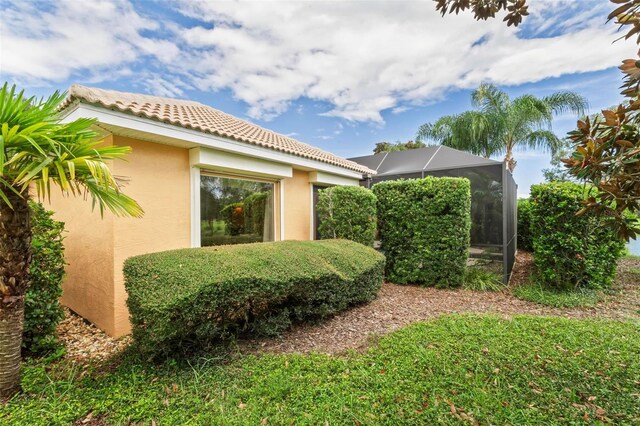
(493, 196)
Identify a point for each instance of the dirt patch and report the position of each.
(522, 268)
(89, 420)
(85, 341)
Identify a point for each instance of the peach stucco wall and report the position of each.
(88, 286)
(297, 206)
(159, 181)
(158, 177)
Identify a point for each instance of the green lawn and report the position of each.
(453, 370)
(578, 298)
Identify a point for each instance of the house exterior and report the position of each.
(203, 177)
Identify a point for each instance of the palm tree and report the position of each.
(499, 124)
(36, 150)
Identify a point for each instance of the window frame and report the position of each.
(197, 230)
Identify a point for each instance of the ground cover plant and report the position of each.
(425, 227)
(454, 370)
(558, 298)
(478, 278)
(347, 212)
(183, 300)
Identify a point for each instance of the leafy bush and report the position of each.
(187, 299)
(233, 216)
(525, 238)
(347, 212)
(570, 250)
(254, 212)
(42, 309)
(425, 227)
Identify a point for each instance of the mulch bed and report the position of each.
(395, 307)
(84, 341)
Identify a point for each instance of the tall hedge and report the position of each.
(347, 212)
(188, 299)
(42, 309)
(525, 237)
(424, 226)
(571, 251)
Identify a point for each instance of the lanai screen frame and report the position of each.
(508, 245)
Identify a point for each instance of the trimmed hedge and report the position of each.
(184, 300)
(571, 251)
(347, 212)
(425, 226)
(42, 310)
(525, 237)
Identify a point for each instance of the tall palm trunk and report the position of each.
(15, 257)
(508, 158)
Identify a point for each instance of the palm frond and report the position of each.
(567, 102)
(543, 139)
(489, 98)
(37, 149)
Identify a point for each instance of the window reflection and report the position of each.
(235, 211)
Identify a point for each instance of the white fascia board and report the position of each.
(225, 161)
(117, 118)
(322, 178)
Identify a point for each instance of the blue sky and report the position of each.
(338, 75)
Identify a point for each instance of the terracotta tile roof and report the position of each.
(197, 116)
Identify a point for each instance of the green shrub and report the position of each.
(571, 251)
(425, 227)
(233, 216)
(254, 212)
(42, 309)
(347, 212)
(525, 238)
(188, 299)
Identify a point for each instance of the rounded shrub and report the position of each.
(42, 311)
(571, 250)
(184, 300)
(525, 238)
(347, 212)
(425, 227)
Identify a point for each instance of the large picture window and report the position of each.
(235, 211)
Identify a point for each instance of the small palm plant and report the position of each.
(500, 124)
(36, 151)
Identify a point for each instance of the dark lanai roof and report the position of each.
(422, 159)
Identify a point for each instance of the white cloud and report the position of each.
(53, 42)
(366, 57)
(358, 57)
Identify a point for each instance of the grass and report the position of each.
(453, 370)
(480, 279)
(578, 298)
